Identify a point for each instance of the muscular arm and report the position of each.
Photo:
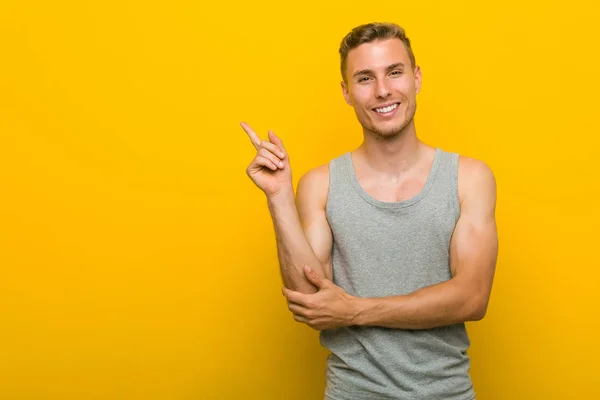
(473, 254)
(301, 230)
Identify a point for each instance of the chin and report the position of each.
(394, 127)
(389, 130)
(385, 129)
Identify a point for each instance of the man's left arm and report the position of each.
(473, 254)
(464, 297)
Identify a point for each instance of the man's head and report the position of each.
(380, 77)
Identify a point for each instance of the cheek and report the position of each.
(361, 96)
(406, 87)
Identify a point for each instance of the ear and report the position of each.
(345, 92)
(418, 77)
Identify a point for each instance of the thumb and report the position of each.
(314, 277)
(276, 140)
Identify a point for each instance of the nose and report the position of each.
(383, 89)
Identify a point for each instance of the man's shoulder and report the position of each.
(315, 182)
(474, 175)
(316, 177)
(473, 168)
(317, 174)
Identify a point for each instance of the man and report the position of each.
(389, 249)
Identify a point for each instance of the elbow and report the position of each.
(478, 315)
(477, 310)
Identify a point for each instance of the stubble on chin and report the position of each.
(390, 133)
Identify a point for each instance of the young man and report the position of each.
(389, 249)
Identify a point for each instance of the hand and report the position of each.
(331, 307)
(270, 169)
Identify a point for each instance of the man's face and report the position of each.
(382, 86)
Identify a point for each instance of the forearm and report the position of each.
(443, 304)
(293, 249)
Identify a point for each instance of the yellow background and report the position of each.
(138, 260)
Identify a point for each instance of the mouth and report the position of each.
(386, 110)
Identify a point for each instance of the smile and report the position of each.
(387, 110)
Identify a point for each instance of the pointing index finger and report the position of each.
(256, 141)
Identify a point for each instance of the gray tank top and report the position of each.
(394, 248)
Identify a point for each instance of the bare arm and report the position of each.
(311, 200)
(301, 229)
(302, 233)
(473, 254)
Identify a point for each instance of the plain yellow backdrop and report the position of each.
(137, 260)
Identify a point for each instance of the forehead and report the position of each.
(377, 55)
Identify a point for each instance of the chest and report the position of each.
(392, 190)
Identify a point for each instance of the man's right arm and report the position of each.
(302, 232)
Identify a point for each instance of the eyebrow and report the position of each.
(368, 71)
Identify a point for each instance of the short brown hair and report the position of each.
(369, 33)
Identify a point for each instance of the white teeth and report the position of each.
(387, 109)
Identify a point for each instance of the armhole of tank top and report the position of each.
(330, 186)
(454, 175)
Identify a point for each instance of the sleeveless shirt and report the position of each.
(386, 249)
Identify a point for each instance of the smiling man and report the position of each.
(388, 249)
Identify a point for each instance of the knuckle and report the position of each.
(264, 152)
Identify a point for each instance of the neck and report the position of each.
(391, 155)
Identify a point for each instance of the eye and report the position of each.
(396, 73)
(363, 79)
